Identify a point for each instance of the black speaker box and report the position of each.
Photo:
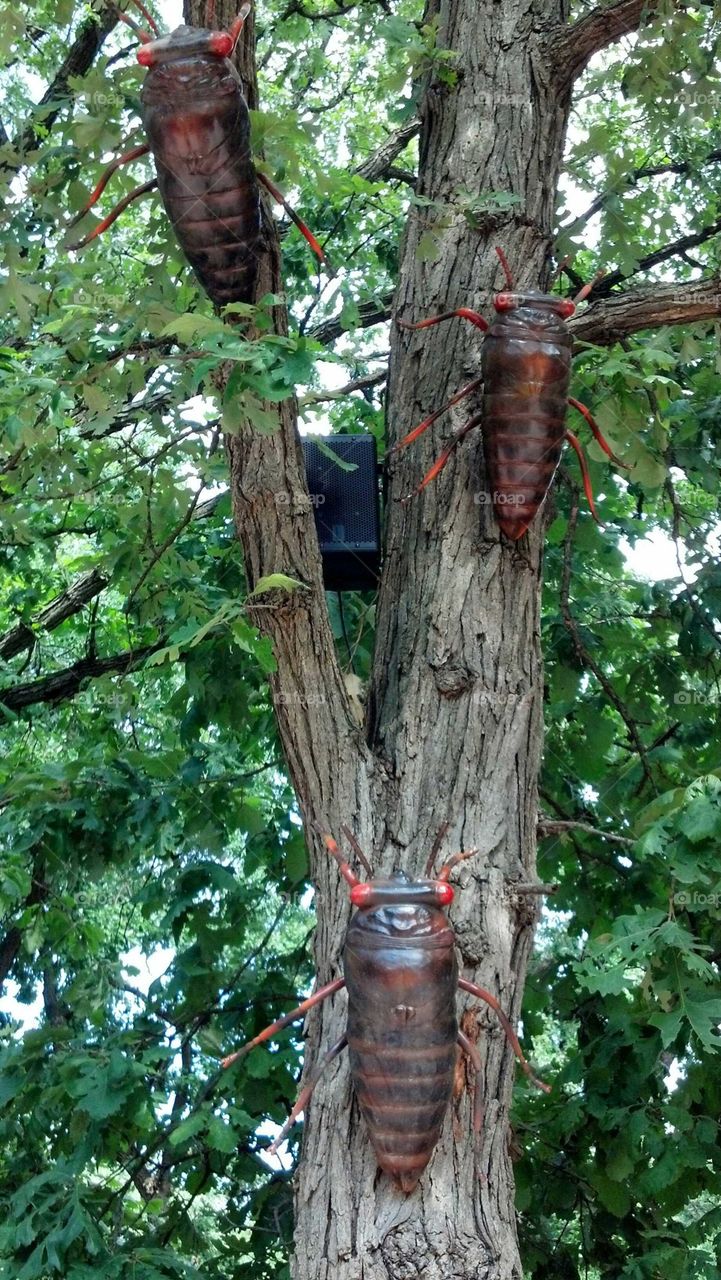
(346, 504)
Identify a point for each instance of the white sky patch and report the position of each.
(26, 1015)
(149, 967)
(171, 11)
(654, 558)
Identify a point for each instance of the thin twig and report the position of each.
(160, 551)
(559, 827)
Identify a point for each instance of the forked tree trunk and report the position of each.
(454, 730)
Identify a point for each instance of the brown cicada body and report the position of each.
(526, 369)
(401, 974)
(198, 131)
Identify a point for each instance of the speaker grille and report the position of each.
(346, 507)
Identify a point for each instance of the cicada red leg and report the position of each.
(463, 313)
(475, 1057)
(584, 292)
(506, 269)
(107, 174)
(596, 431)
(511, 1036)
(576, 444)
(428, 422)
(317, 998)
(442, 459)
(304, 230)
(303, 1098)
(114, 214)
(346, 870)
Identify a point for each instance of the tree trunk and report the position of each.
(454, 731)
(455, 707)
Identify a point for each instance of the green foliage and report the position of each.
(146, 814)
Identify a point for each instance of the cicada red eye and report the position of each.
(444, 895)
(566, 309)
(221, 44)
(145, 56)
(505, 302)
(360, 893)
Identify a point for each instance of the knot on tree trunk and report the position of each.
(452, 678)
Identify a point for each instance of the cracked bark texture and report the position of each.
(454, 730)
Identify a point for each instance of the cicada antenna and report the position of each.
(143, 36)
(584, 292)
(506, 269)
(147, 15)
(560, 269)
(434, 849)
(357, 850)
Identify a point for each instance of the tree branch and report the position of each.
(632, 180)
(80, 58)
(378, 164)
(358, 384)
(66, 683)
(159, 552)
(560, 827)
(653, 306)
(584, 855)
(608, 282)
(315, 15)
(373, 312)
(62, 607)
(573, 46)
(69, 602)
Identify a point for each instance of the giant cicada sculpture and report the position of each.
(197, 126)
(526, 369)
(401, 974)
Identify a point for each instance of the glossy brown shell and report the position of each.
(401, 973)
(526, 363)
(198, 128)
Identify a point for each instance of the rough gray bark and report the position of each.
(454, 729)
(68, 682)
(652, 306)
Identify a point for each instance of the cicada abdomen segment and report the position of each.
(526, 362)
(198, 127)
(401, 974)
